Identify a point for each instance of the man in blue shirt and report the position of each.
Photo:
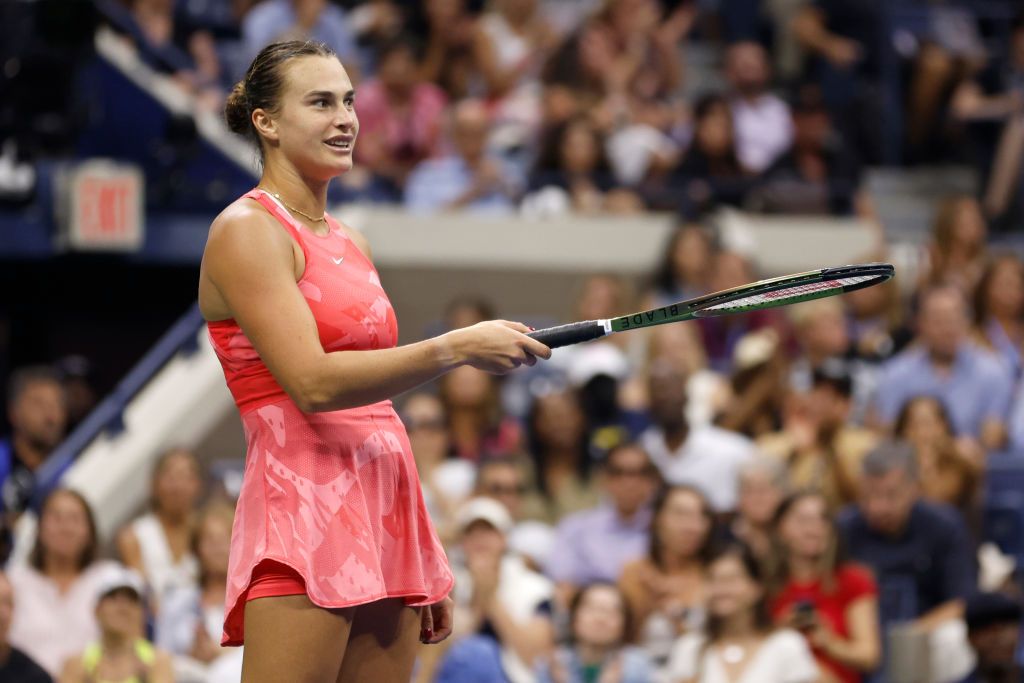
(972, 383)
(920, 552)
(277, 20)
(594, 545)
(470, 179)
(38, 415)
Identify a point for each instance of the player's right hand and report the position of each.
(496, 346)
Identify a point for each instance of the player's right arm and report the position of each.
(250, 262)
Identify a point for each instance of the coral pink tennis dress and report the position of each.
(334, 496)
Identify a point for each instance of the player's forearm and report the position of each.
(347, 379)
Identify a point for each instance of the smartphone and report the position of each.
(804, 614)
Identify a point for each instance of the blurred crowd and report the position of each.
(791, 495)
(548, 106)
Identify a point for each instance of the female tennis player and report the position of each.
(335, 569)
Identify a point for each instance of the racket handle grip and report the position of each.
(573, 333)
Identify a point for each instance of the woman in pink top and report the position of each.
(335, 566)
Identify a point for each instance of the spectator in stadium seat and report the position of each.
(38, 416)
(721, 334)
(599, 624)
(875, 323)
(950, 469)
(477, 426)
(763, 485)
(572, 165)
(471, 178)
(185, 49)
(120, 654)
(273, 21)
(449, 59)
(738, 639)
(999, 310)
(680, 346)
(818, 174)
(685, 265)
(958, 251)
(506, 479)
(762, 121)
(906, 541)
(595, 544)
(706, 456)
(666, 589)
(822, 335)
(57, 588)
(191, 617)
(816, 591)
(973, 383)
(818, 446)
(754, 403)
(15, 665)
(511, 45)
(401, 118)
(446, 481)
(558, 447)
(710, 172)
(845, 41)
(993, 628)
(158, 544)
(502, 621)
(991, 100)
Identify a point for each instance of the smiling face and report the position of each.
(314, 125)
(682, 524)
(805, 529)
(599, 619)
(731, 588)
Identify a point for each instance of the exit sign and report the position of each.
(105, 207)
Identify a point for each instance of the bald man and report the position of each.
(468, 179)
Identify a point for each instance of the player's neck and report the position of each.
(307, 195)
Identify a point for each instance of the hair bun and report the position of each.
(236, 110)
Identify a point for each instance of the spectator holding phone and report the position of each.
(834, 603)
(739, 642)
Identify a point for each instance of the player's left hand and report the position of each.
(436, 621)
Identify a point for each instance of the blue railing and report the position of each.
(108, 416)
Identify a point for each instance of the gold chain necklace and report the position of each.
(298, 211)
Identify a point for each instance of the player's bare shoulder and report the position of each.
(245, 231)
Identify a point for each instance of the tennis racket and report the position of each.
(778, 291)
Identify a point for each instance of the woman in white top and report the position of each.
(739, 644)
(191, 617)
(157, 545)
(54, 616)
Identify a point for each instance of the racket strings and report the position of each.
(778, 297)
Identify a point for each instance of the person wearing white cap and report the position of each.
(121, 655)
(502, 606)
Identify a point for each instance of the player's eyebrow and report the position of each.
(327, 94)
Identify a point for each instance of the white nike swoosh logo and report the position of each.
(337, 261)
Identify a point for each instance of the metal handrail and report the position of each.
(108, 416)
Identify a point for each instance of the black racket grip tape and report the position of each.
(573, 333)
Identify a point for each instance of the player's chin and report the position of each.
(329, 167)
